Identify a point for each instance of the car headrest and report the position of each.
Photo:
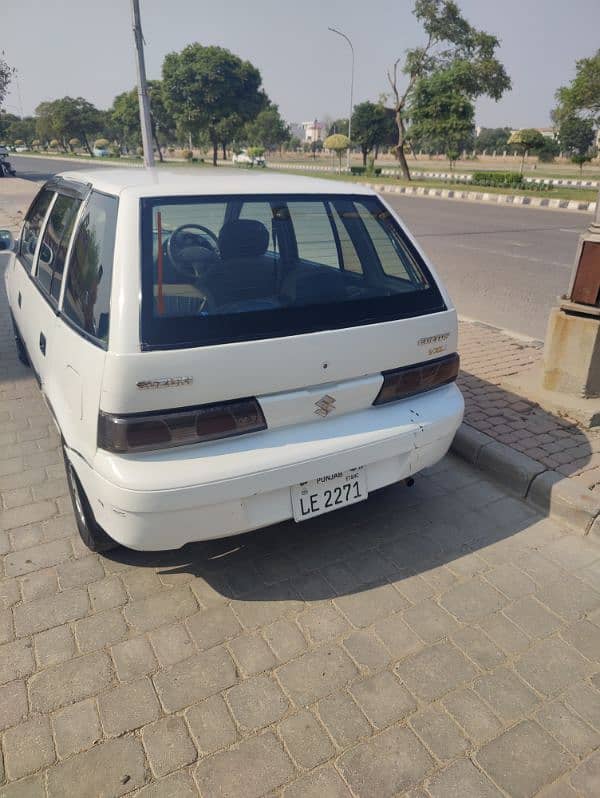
(243, 238)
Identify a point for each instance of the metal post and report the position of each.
(144, 100)
(343, 35)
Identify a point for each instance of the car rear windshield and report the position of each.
(237, 268)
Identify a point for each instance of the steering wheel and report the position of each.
(191, 257)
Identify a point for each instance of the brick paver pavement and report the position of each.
(439, 641)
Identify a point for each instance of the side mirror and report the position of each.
(7, 241)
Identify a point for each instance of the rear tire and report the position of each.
(91, 533)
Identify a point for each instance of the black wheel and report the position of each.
(21, 351)
(92, 534)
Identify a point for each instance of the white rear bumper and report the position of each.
(166, 499)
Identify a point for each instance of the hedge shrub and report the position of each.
(501, 179)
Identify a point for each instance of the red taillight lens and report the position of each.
(141, 432)
(410, 380)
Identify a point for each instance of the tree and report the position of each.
(576, 135)
(442, 115)
(492, 138)
(125, 116)
(338, 126)
(452, 43)
(21, 129)
(268, 129)
(370, 127)
(582, 96)
(68, 117)
(526, 140)
(6, 75)
(204, 86)
(338, 143)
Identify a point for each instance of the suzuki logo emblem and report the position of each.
(325, 405)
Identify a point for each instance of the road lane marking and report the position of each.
(514, 255)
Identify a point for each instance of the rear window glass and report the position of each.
(222, 269)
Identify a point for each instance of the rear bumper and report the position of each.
(164, 500)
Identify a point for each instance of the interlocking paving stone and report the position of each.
(168, 745)
(364, 608)
(28, 747)
(211, 627)
(211, 725)
(76, 728)
(316, 673)
(194, 679)
(478, 646)
(110, 768)
(343, 719)
(397, 636)
(257, 702)
(523, 759)
(435, 670)
(585, 637)
(440, 733)
(551, 666)
(107, 594)
(177, 785)
(32, 787)
(172, 644)
(286, 639)
(70, 681)
(160, 608)
(54, 646)
(389, 763)
(49, 611)
(585, 700)
(532, 617)
(430, 621)
(102, 629)
(16, 660)
(461, 780)
(305, 739)
(569, 598)
(39, 583)
(253, 768)
(322, 622)
(586, 778)
(383, 699)
(252, 654)
(13, 704)
(508, 696)
(128, 706)
(473, 714)
(472, 600)
(366, 650)
(133, 658)
(323, 783)
(569, 729)
(75, 573)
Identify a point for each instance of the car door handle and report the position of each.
(42, 343)
(19, 300)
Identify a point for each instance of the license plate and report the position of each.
(325, 494)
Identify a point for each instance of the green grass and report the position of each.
(583, 195)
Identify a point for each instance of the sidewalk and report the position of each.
(564, 456)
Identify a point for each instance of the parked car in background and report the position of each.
(248, 160)
(224, 353)
(100, 152)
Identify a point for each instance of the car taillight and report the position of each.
(410, 380)
(139, 432)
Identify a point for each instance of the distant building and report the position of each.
(547, 132)
(296, 130)
(313, 131)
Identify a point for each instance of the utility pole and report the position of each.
(145, 122)
(343, 35)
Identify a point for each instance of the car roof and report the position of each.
(198, 181)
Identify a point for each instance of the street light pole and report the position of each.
(343, 35)
(144, 101)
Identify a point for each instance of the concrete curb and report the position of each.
(560, 498)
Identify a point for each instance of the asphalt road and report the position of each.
(504, 266)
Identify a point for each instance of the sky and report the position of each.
(85, 48)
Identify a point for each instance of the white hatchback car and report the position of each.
(224, 353)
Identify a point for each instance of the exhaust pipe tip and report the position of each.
(409, 482)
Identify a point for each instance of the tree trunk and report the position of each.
(215, 151)
(157, 145)
(399, 148)
(364, 155)
(86, 144)
(522, 162)
(224, 146)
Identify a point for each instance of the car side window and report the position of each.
(32, 226)
(55, 243)
(86, 300)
